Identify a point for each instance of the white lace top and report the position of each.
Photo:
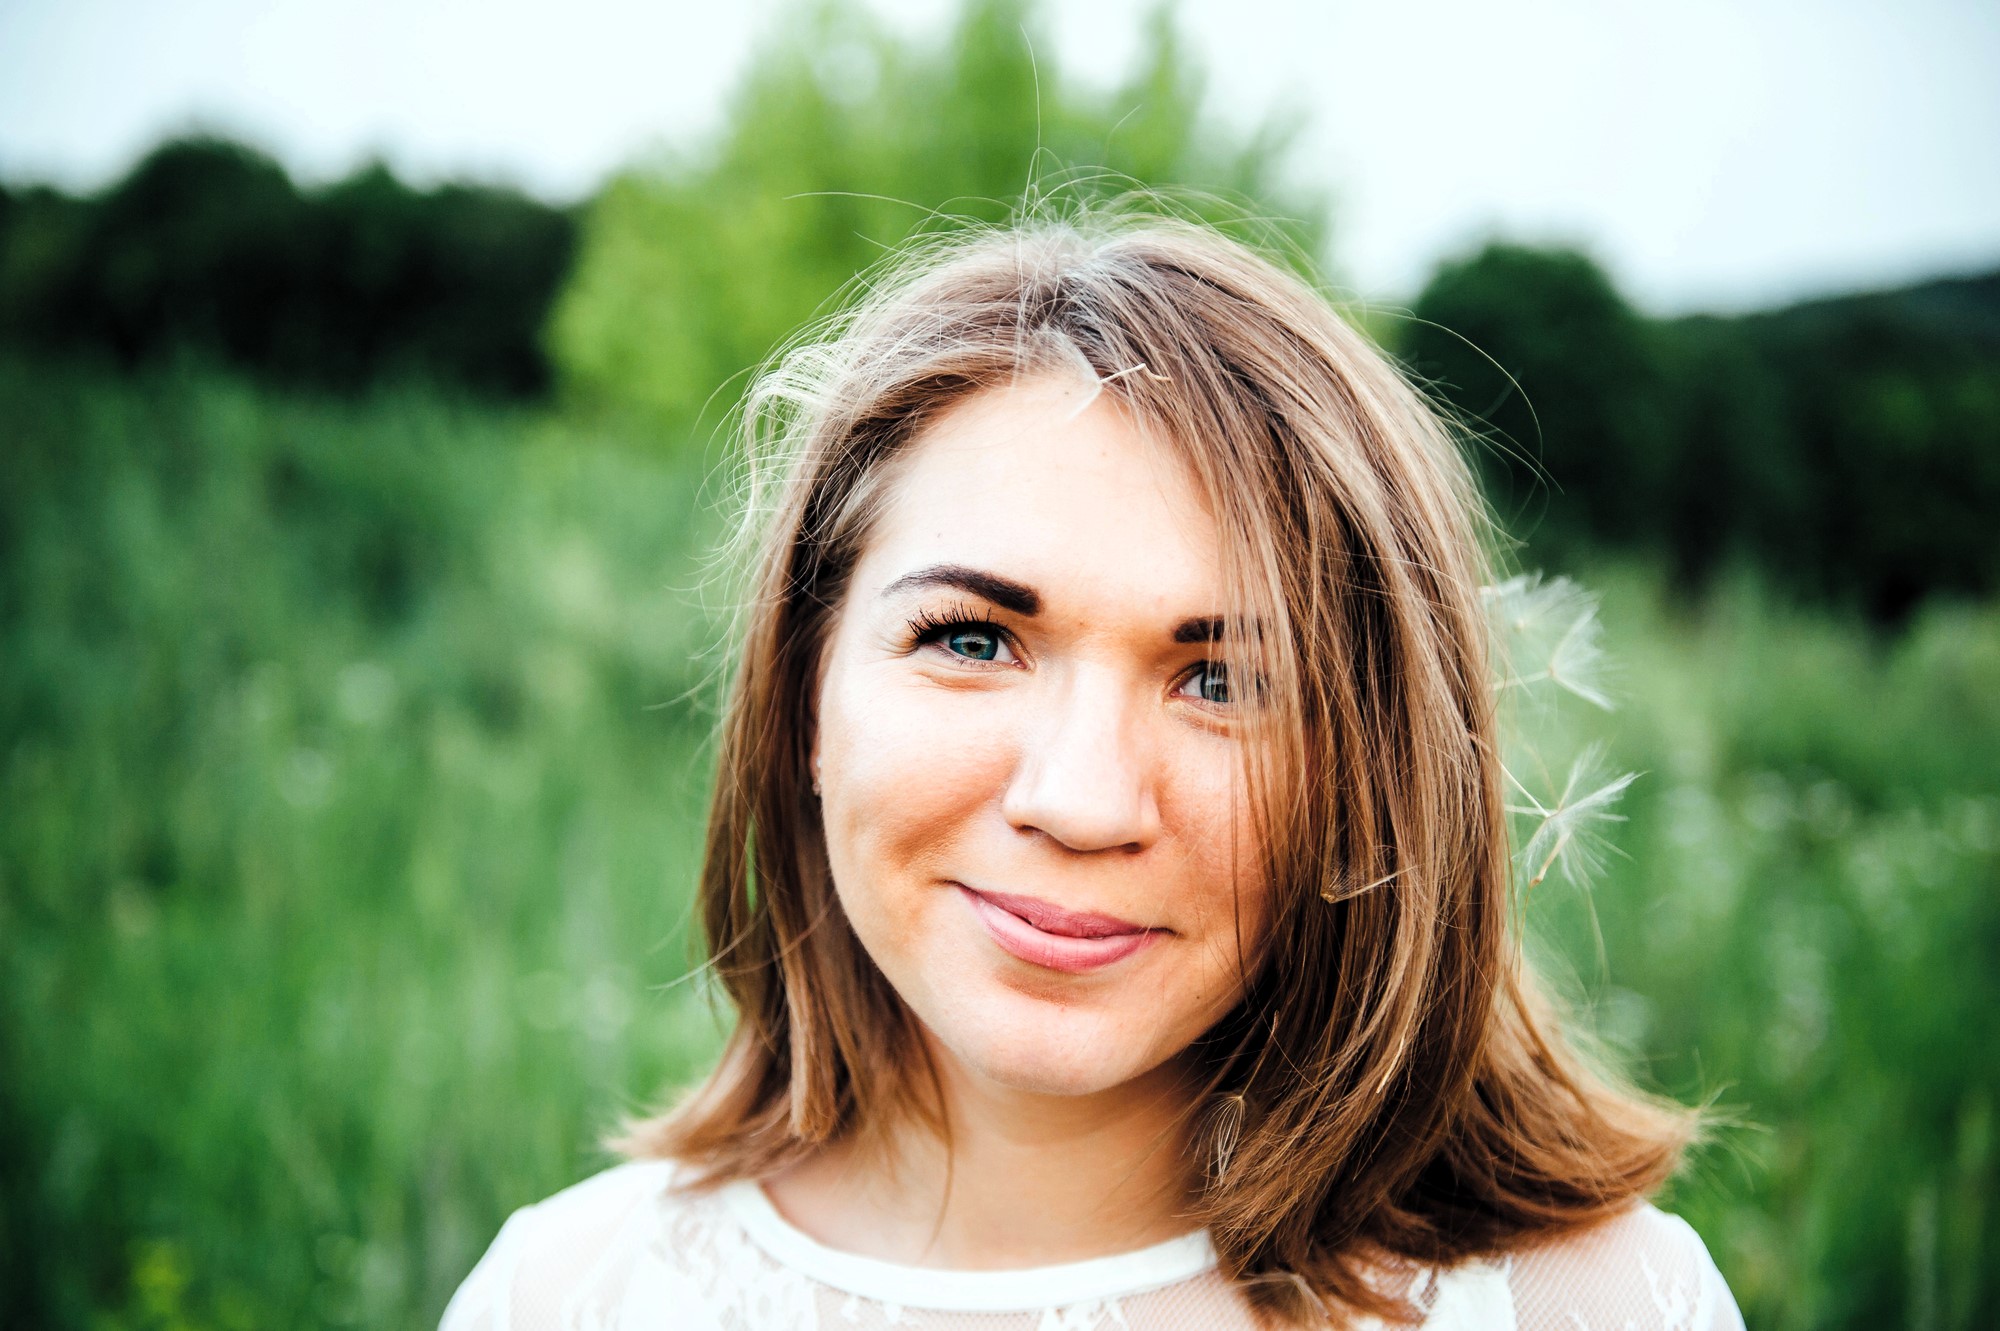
(625, 1251)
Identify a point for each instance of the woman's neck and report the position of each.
(1027, 1179)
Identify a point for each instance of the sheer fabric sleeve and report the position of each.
(1641, 1271)
(556, 1261)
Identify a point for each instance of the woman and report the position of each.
(1108, 864)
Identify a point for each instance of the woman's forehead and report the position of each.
(1053, 483)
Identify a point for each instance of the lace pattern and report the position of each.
(625, 1251)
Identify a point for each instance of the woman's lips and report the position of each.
(1050, 936)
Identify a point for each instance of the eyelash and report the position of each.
(930, 626)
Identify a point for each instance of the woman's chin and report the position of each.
(1043, 1077)
(1051, 1057)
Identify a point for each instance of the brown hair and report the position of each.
(1390, 1087)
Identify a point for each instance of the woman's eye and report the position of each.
(975, 644)
(968, 640)
(1210, 683)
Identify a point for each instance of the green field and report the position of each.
(350, 796)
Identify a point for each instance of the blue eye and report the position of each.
(976, 644)
(1210, 683)
(963, 637)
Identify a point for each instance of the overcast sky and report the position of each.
(1713, 154)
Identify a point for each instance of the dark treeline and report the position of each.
(208, 248)
(1849, 447)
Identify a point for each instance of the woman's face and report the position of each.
(1031, 760)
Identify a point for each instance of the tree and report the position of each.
(844, 141)
(1537, 352)
(1846, 446)
(207, 247)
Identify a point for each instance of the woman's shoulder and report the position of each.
(1641, 1268)
(584, 1238)
(609, 1196)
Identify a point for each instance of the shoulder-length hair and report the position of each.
(1390, 1087)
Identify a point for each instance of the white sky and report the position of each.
(1713, 154)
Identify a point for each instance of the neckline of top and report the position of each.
(955, 1290)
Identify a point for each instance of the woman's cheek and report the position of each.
(1207, 803)
(908, 768)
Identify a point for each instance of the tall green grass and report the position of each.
(354, 757)
(352, 781)
(1802, 923)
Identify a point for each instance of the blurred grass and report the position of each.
(353, 767)
(1801, 924)
(352, 783)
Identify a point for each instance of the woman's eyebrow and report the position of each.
(1003, 592)
(1215, 628)
(1024, 600)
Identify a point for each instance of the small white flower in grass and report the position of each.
(1570, 836)
(1548, 634)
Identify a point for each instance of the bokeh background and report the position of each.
(364, 381)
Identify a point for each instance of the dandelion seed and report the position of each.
(1569, 836)
(1548, 633)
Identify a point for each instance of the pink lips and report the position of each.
(1050, 936)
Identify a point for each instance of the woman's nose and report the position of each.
(1084, 776)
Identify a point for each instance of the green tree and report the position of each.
(844, 140)
(1537, 352)
(1845, 445)
(1893, 403)
(207, 247)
